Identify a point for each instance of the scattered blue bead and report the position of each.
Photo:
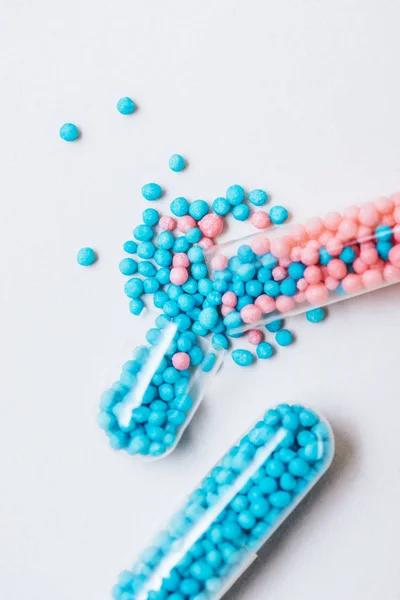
(274, 326)
(126, 106)
(264, 350)
(221, 206)
(315, 315)
(241, 212)
(235, 195)
(130, 247)
(278, 215)
(128, 266)
(176, 163)
(284, 337)
(258, 197)
(243, 358)
(86, 257)
(150, 217)
(69, 132)
(151, 191)
(199, 209)
(179, 207)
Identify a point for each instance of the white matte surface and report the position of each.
(299, 97)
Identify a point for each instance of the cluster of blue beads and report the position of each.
(166, 402)
(301, 453)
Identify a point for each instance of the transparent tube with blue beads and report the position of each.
(216, 533)
(160, 387)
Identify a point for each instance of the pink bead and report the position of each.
(313, 244)
(266, 303)
(167, 223)
(352, 283)
(372, 279)
(302, 283)
(384, 205)
(391, 273)
(181, 361)
(317, 295)
(396, 199)
(364, 233)
(352, 213)
(260, 245)
(312, 275)
(295, 254)
(260, 219)
(369, 256)
(251, 313)
(229, 299)
(298, 233)
(180, 259)
(348, 230)
(299, 298)
(310, 256)
(206, 243)
(332, 221)
(324, 272)
(334, 246)
(178, 275)
(315, 227)
(394, 255)
(211, 225)
(331, 283)
(280, 247)
(369, 216)
(325, 237)
(225, 310)
(219, 262)
(388, 220)
(279, 273)
(285, 304)
(396, 214)
(396, 233)
(379, 265)
(359, 266)
(185, 223)
(337, 268)
(255, 336)
(285, 262)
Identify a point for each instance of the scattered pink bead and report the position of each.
(351, 212)
(372, 279)
(280, 247)
(302, 283)
(313, 244)
(206, 243)
(310, 256)
(325, 237)
(295, 253)
(181, 361)
(369, 216)
(394, 255)
(369, 255)
(260, 245)
(185, 223)
(255, 336)
(211, 225)
(180, 259)
(229, 299)
(317, 295)
(359, 266)
(219, 262)
(312, 275)
(260, 219)
(364, 233)
(284, 262)
(225, 310)
(379, 265)
(315, 227)
(331, 283)
(337, 268)
(298, 233)
(391, 273)
(279, 273)
(384, 205)
(167, 223)
(334, 246)
(324, 272)
(348, 230)
(332, 221)
(299, 298)
(266, 303)
(285, 303)
(179, 275)
(251, 314)
(352, 283)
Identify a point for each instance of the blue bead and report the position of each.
(245, 254)
(246, 272)
(126, 106)
(220, 342)
(254, 288)
(196, 356)
(198, 298)
(284, 337)
(171, 308)
(194, 235)
(181, 244)
(163, 258)
(174, 291)
(186, 302)
(171, 375)
(208, 362)
(143, 233)
(269, 260)
(183, 322)
(324, 256)
(86, 257)
(160, 298)
(272, 289)
(184, 345)
(258, 197)
(347, 255)
(147, 269)
(150, 285)
(238, 288)
(274, 326)
(298, 467)
(243, 358)
(166, 392)
(199, 209)
(130, 247)
(165, 240)
(235, 195)
(69, 132)
(176, 163)
(296, 270)
(150, 217)
(199, 329)
(233, 320)
(288, 287)
(221, 206)
(146, 250)
(278, 215)
(383, 248)
(199, 270)
(280, 499)
(264, 350)
(315, 315)
(264, 275)
(241, 212)
(244, 301)
(176, 417)
(384, 233)
(190, 287)
(151, 191)
(133, 287)
(196, 255)
(179, 207)
(214, 298)
(136, 305)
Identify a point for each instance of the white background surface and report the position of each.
(299, 97)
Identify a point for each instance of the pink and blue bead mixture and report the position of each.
(234, 510)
